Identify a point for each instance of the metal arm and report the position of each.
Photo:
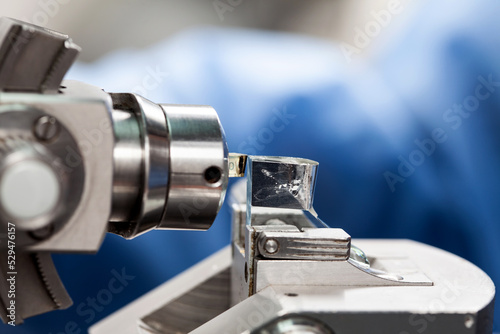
(77, 162)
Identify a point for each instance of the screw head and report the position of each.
(271, 246)
(46, 128)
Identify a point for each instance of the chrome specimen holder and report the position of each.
(287, 272)
(77, 162)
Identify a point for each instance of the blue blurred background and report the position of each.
(397, 100)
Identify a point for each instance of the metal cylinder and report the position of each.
(170, 166)
(198, 173)
(127, 157)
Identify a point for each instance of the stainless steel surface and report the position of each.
(21, 145)
(81, 156)
(156, 161)
(198, 167)
(309, 244)
(342, 273)
(128, 168)
(141, 165)
(126, 320)
(171, 168)
(85, 112)
(34, 59)
(196, 307)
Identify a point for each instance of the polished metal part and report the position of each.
(141, 173)
(198, 167)
(170, 166)
(82, 155)
(193, 309)
(156, 161)
(309, 244)
(32, 58)
(128, 167)
(19, 145)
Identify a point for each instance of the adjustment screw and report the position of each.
(46, 128)
(271, 246)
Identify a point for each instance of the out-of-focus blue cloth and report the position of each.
(280, 94)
